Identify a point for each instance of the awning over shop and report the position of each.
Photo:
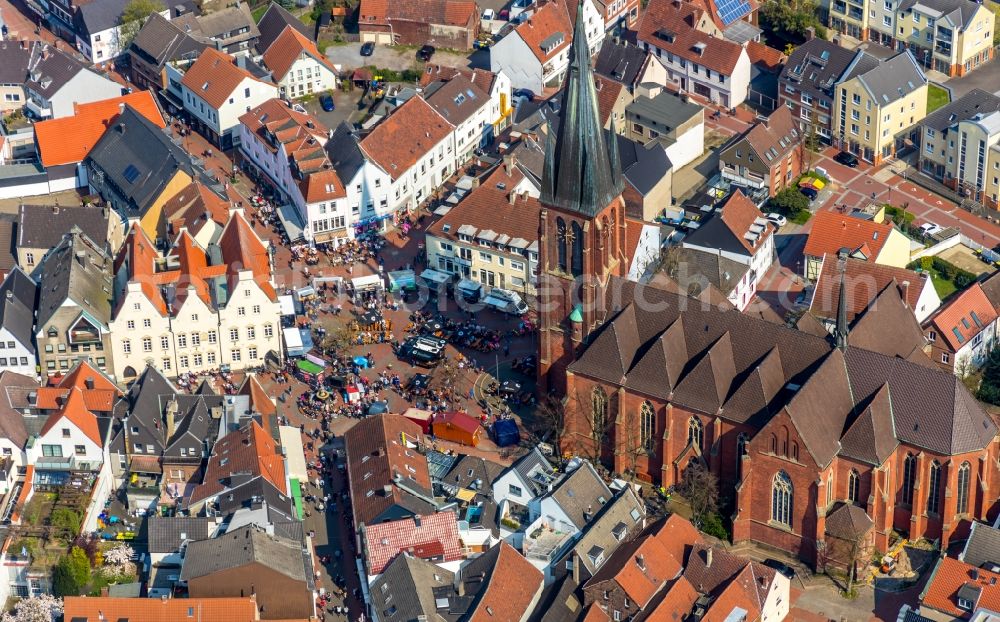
(297, 496)
(295, 460)
(145, 464)
(464, 494)
(291, 221)
(287, 304)
(293, 342)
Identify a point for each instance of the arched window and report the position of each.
(742, 449)
(774, 444)
(909, 478)
(605, 241)
(795, 450)
(695, 432)
(781, 499)
(784, 441)
(853, 486)
(599, 405)
(561, 243)
(647, 425)
(829, 488)
(963, 487)
(577, 249)
(934, 488)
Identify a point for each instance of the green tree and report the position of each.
(989, 386)
(789, 202)
(133, 16)
(72, 573)
(65, 520)
(700, 488)
(791, 19)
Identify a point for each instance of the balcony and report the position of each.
(747, 179)
(544, 542)
(40, 111)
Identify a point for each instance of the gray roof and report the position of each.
(696, 268)
(892, 79)
(848, 522)
(49, 69)
(166, 534)
(223, 25)
(581, 495)
(17, 307)
(982, 549)
(582, 174)
(12, 388)
(345, 152)
(138, 146)
(273, 22)
(242, 547)
(255, 493)
(473, 473)
(94, 17)
(976, 101)
(76, 270)
(815, 66)
(666, 109)
(620, 61)
(13, 62)
(8, 242)
(43, 226)
(407, 586)
(616, 521)
(535, 469)
(159, 42)
(643, 166)
(960, 12)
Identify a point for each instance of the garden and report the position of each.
(947, 277)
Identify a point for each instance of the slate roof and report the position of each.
(607, 531)
(848, 522)
(136, 142)
(12, 387)
(223, 25)
(407, 585)
(666, 108)
(959, 12)
(76, 270)
(643, 166)
(43, 226)
(17, 307)
(674, 29)
(976, 101)
(344, 151)
(159, 41)
(621, 61)
(8, 235)
(473, 472)
(167, 534)
(530, 466)
(92, 18)
(581, 495)
(728, 230)
(242, 547)
(457, 99)
(982, 549)
(273, 22)
(815, 66)
(891, 79)
(697, 268)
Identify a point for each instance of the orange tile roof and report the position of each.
(100, 400)
(863, 282)
(259, 399)
(83, 373)
(511, 590)
(398, 142)
(595, 614)
(765, 55)
(68, 140)
(740, 593)
(243, 250)
(287, 48)
(549, 19)
(94, 608)
(608, 92)
(75, 410)
(677, 534)
(642, 579)
(738, 214)
(247, 450)
(949, 576)
(964, 316)
(139, 254)
(376, 14)
(831, 231)
(214, 77)
(675, 29)
(677, 602)
(194, 206)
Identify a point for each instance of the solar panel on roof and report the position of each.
(131, 173)
(732, 10)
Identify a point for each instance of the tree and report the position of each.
(700, 488)
(42, 608)
(133, 16)
(551, 414)
(789, 202)
(65, 520)
(119, 556)
(791, 19)
(340, 342)
(72, 573)
(597, 413)
(633, 446)
(989, 386)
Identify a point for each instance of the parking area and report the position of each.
(346, 108)
(963, 257)
(348, 56)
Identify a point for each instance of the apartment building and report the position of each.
(766, 157)
(807, 83)
(950, 36)
(960, 146)
(298, 66)
(876, 105)
(195, 309)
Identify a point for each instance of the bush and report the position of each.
(72, 573)
(66, 520)
(789, 202)
(713, 526)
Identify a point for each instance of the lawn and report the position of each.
(259, 12)
(944, 287)
(936, 97)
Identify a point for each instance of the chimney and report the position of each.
(508, 163)
(904, 291)
(708, 558)
(387, 490)
(576, 569)
(810, 33)
(640, 561)
(170, 416)
(104, 591)
(89, 383)
(121, 107)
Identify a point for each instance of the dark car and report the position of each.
(782, 568)
(810, 193)
(368, 49)
(326, 101)
(425, 53)
(846, 158)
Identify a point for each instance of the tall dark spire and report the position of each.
(840, 332)
(582, 168)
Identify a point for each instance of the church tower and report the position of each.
(582, 228)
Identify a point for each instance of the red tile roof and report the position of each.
(863, 282)
(214, 77)
(466, 423)
(963, 317)
(260, 401)
(243, 250)
(287, 48)
(74, 410)
(674, 29)
(68, 140)
(513, 586)
(677, 602)
(94, 608)
(739, 214)
(949, 576)
(608, 92)
(434, 537)
(550, 19)
(398, 142)
(765, 56)
(249, 450)
(740, 593)
(99, 400)
(193, 207)
(831, 232)
(442, 12)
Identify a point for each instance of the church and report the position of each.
(816, 439)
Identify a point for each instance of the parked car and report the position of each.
(810, 193)
(930, 228)
(425, 53)
(780, 567)
(777, 219)
(846, 158)
(368, 49)
(326, 101)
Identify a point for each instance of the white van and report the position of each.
(470, 291)
(506, 301)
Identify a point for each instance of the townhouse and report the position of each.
(273, 23)
(628, 64)
(298, 66)
(288, 148)
(17, 322)
(231, 30)
(618, 13)
(766, 157)
(40, 228)
(960, 146)
(97, 29)
(216, 89)
(467, 107)
(963, 331)
(807, 84)
(158, 43)
(874, 241)
(953, 37)
(877, 103)
(684, 39)
(195, 308)
(673, 122)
